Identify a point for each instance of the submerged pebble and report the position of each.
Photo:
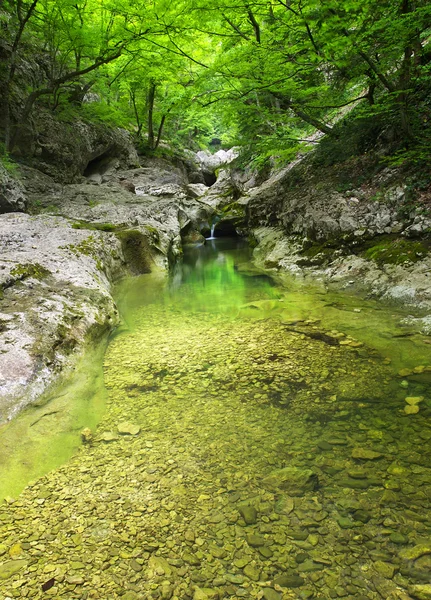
(236, 458)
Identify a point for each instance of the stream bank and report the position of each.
(354, 224)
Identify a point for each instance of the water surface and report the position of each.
(270, 450)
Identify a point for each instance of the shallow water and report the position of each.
(273, 459)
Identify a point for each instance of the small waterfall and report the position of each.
(212, 236)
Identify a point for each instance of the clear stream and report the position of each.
(253, 440)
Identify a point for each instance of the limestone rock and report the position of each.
(12, 194)
(126, 428)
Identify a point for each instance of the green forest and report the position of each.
(262, 75)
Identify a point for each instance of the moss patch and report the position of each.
(95, 226)
(397, 252)
(27, 270)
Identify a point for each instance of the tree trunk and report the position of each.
(312, 121)
(159, 133)
(151, 98)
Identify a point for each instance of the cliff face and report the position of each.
(355, 225)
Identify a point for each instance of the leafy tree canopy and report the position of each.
(268, 75)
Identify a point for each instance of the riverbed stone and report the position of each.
(365, 454)
(289, 581)
(293, 480)
(413, 400)
(385, 569)
(252, 572)
(421, 591)
(270, 594)
(415, 552)
(411, 409)
(255, 541)
(108, 436)
(126, 428)
(249, 514)
(11, 567)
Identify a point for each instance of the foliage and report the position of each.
(272, 77)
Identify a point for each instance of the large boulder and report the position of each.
(68, 150)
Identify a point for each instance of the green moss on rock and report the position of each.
(95, 226)
(397, 252)
(27, 270)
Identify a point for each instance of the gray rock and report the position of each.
(12, 194)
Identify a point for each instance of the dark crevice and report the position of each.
(99, 165)
(209, 178)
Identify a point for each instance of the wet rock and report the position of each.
(289, 581)
(415, 552)
(255, 541)
(252, 572)
(270, 594)
(126, 428)
(324, 445)
(355, 484)
(205, 594)
(11, 567)
(413, 400)
(309, 566)
(411, 410)
(191, 559)
(75, 579)
(108, 436)
(87, 435)
(365, 454)
(294, 480)
(385, 569)
(249, 514)
(158, 565)
(235, 579)
(398, 538)
(421, 592)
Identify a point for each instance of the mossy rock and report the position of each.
(109, 227)
(29, 270)
(397, 252)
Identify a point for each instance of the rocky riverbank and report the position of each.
(59, 263)
(356, 226)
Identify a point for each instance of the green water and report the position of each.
(47, 434)
(270, 455)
